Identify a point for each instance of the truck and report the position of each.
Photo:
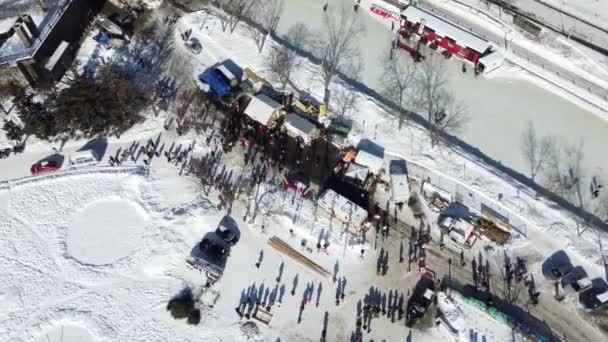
(400, 189)
(210, 256)
(420, 300)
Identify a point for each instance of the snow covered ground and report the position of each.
(56, 281)
(595, 11)
(95, 256)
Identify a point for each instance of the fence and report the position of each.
(544, 66)
(10, 184)
(466, 195)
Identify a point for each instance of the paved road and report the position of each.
(570, 76)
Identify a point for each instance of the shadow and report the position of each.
(557, 265)
(229, 230)
(99, 145)
(56, 158)
(517, 317)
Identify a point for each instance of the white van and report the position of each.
(83, 159)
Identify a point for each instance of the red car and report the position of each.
(44, 166)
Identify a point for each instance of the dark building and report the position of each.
(43, 51)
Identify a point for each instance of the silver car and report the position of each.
(194, 45)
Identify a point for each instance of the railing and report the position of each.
(10, 184)
(45, 27)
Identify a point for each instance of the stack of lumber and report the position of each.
(286, 249)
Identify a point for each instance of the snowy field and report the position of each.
(96, 256)
(595, 11)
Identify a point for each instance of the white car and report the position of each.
(82, 159)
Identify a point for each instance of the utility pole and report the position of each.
(449, 275)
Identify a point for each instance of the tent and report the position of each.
(370, 155)
(298, 126)
(263, 109)
(342, 209)
(373, 162)
(357, 172)
(216, 81)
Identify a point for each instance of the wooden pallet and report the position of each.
(286, 249)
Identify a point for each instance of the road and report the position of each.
(563, 318)
(522, 52)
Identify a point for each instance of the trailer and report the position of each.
(400, 189)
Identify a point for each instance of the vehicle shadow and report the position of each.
(99, 145)
(56, 158)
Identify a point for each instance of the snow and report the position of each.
(468, 320)
(595, 11)
(106, 231)
(412, 144)
(66, 332)
(120, 294)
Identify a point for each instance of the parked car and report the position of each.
(83, 158)
(577, 280)
(210, 256)
(557, 266)
(228, 230)
(194, 45)
(44, 166)
(594, 297)
(422, 297)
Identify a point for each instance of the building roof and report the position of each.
(358, 172)
(301, 124)
(370, 154)
(444, 27)
(261, 108)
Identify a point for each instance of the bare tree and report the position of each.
(345, 101)
(555, 169)
(336, 46)
(233, 11)
(576, 174)
(266, 18)
(281, 64)
(444, 113)
(298, 35)
(506, 285)
(398, 83)
(534, 150)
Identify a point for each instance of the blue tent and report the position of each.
(216, 81)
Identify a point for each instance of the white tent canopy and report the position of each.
(371, 155)
(357, 172)
(342, 209)
(261, 108)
